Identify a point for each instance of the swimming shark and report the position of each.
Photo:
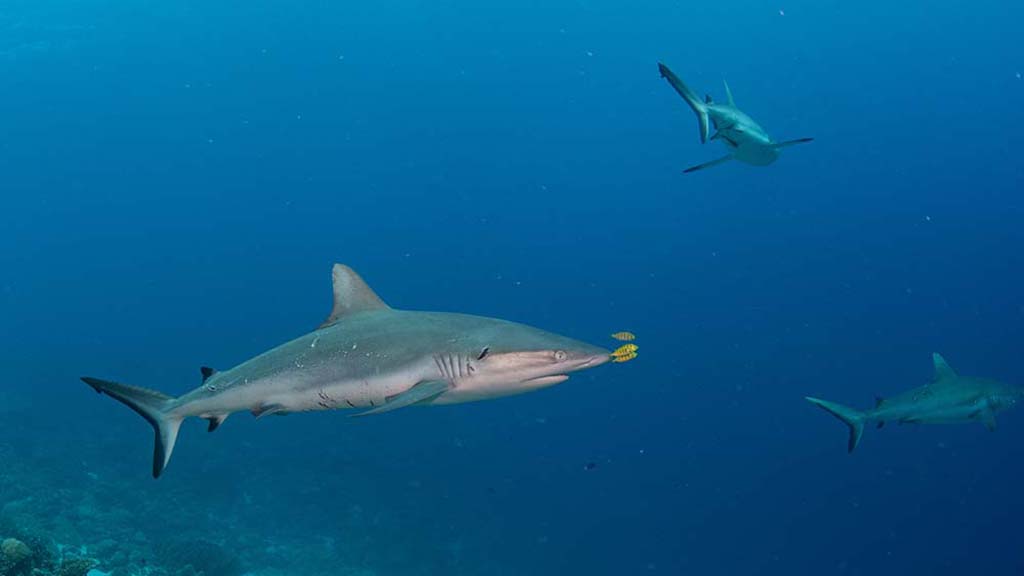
(367, 355)
(745, 139)
(949, 398)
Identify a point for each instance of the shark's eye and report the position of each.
(483, 353)
(560, 355)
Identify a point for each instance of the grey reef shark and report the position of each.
(368, 355)
(949, 398)
(745, 139)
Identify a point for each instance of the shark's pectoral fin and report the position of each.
(792, 142)
(420, 392)
(716, 162)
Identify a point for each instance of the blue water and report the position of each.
(177, 179)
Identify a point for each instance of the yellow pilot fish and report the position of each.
(625, 353)
(624, 336)
(624, 357)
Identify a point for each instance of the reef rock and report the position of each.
(15, 558)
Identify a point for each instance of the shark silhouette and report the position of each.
(745, 139)
(948, 398)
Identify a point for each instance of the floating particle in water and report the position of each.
(590, 466)
(782, 12)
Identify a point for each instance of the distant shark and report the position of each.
(948, 399)
(368, 355)
(745, 139)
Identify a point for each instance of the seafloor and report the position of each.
(71, 503)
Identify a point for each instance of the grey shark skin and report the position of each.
(368, 355)
(949, 398)
(745, 139)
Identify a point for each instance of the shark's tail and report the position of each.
(851, 417)
(151, 405)
(699, 108)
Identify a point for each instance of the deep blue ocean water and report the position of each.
(177, 179)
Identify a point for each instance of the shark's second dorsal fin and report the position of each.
(351, 295)
(942, 369)
(728, 93)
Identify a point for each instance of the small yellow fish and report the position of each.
(624, 336)
(625, 350)
(624, 357)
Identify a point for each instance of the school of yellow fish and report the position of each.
(626, 352)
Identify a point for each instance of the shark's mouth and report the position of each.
(546, 380)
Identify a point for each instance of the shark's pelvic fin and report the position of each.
(792, 142)
(351, 295)
(152, 406)
(728, 93)
(988, 418)
(699, 108)
(851, 417)
(715, 162)
(942, 369)
(267, 410)
(420, 392)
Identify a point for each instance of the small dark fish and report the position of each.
(590, 466)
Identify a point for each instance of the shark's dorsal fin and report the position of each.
(351, 295)
(942, 369)
(207, 372)
(728, 93)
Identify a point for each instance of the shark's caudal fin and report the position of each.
(152, 406)
(851, 417)
(699, 108)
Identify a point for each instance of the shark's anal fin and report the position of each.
(215, 422)
(351, 295)
(715, 162)
(792, 142)
(420, 392)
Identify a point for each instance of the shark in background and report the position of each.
(371, 356)
(949, 398)
(746, 140)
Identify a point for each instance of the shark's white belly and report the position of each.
(756, 153)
